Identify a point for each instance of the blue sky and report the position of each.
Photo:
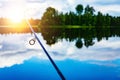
(36, 8)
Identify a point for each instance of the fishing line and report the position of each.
(51, 60)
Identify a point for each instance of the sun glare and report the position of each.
(16, 19)
(16, 15)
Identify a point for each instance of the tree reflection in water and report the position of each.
(82, 36)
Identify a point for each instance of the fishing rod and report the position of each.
(51, 60)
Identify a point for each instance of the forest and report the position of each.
(84, 16)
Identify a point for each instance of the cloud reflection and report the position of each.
(15, 49)
(106, 63)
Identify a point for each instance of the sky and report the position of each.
(36, 8)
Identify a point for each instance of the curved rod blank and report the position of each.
(51, 60)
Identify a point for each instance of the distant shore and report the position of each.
(6, 29)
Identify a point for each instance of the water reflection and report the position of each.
(78, 53)
(15, 48)
(82, 36)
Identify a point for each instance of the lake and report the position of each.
(80, 54)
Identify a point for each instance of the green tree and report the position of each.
(88, 16)
(99, 20)
(89, 10)
(49, 17)
(79, 9)
(61, 19)
(107, 20)
(72, 18)
(67, 18)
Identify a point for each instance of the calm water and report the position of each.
(79, 54)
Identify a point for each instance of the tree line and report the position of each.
(84, 16)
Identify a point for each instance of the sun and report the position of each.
(16, 15)
(16, 19)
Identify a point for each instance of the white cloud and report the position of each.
(71, 2)
(111, 9)
(0, 46)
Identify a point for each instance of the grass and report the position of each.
(68, 26)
